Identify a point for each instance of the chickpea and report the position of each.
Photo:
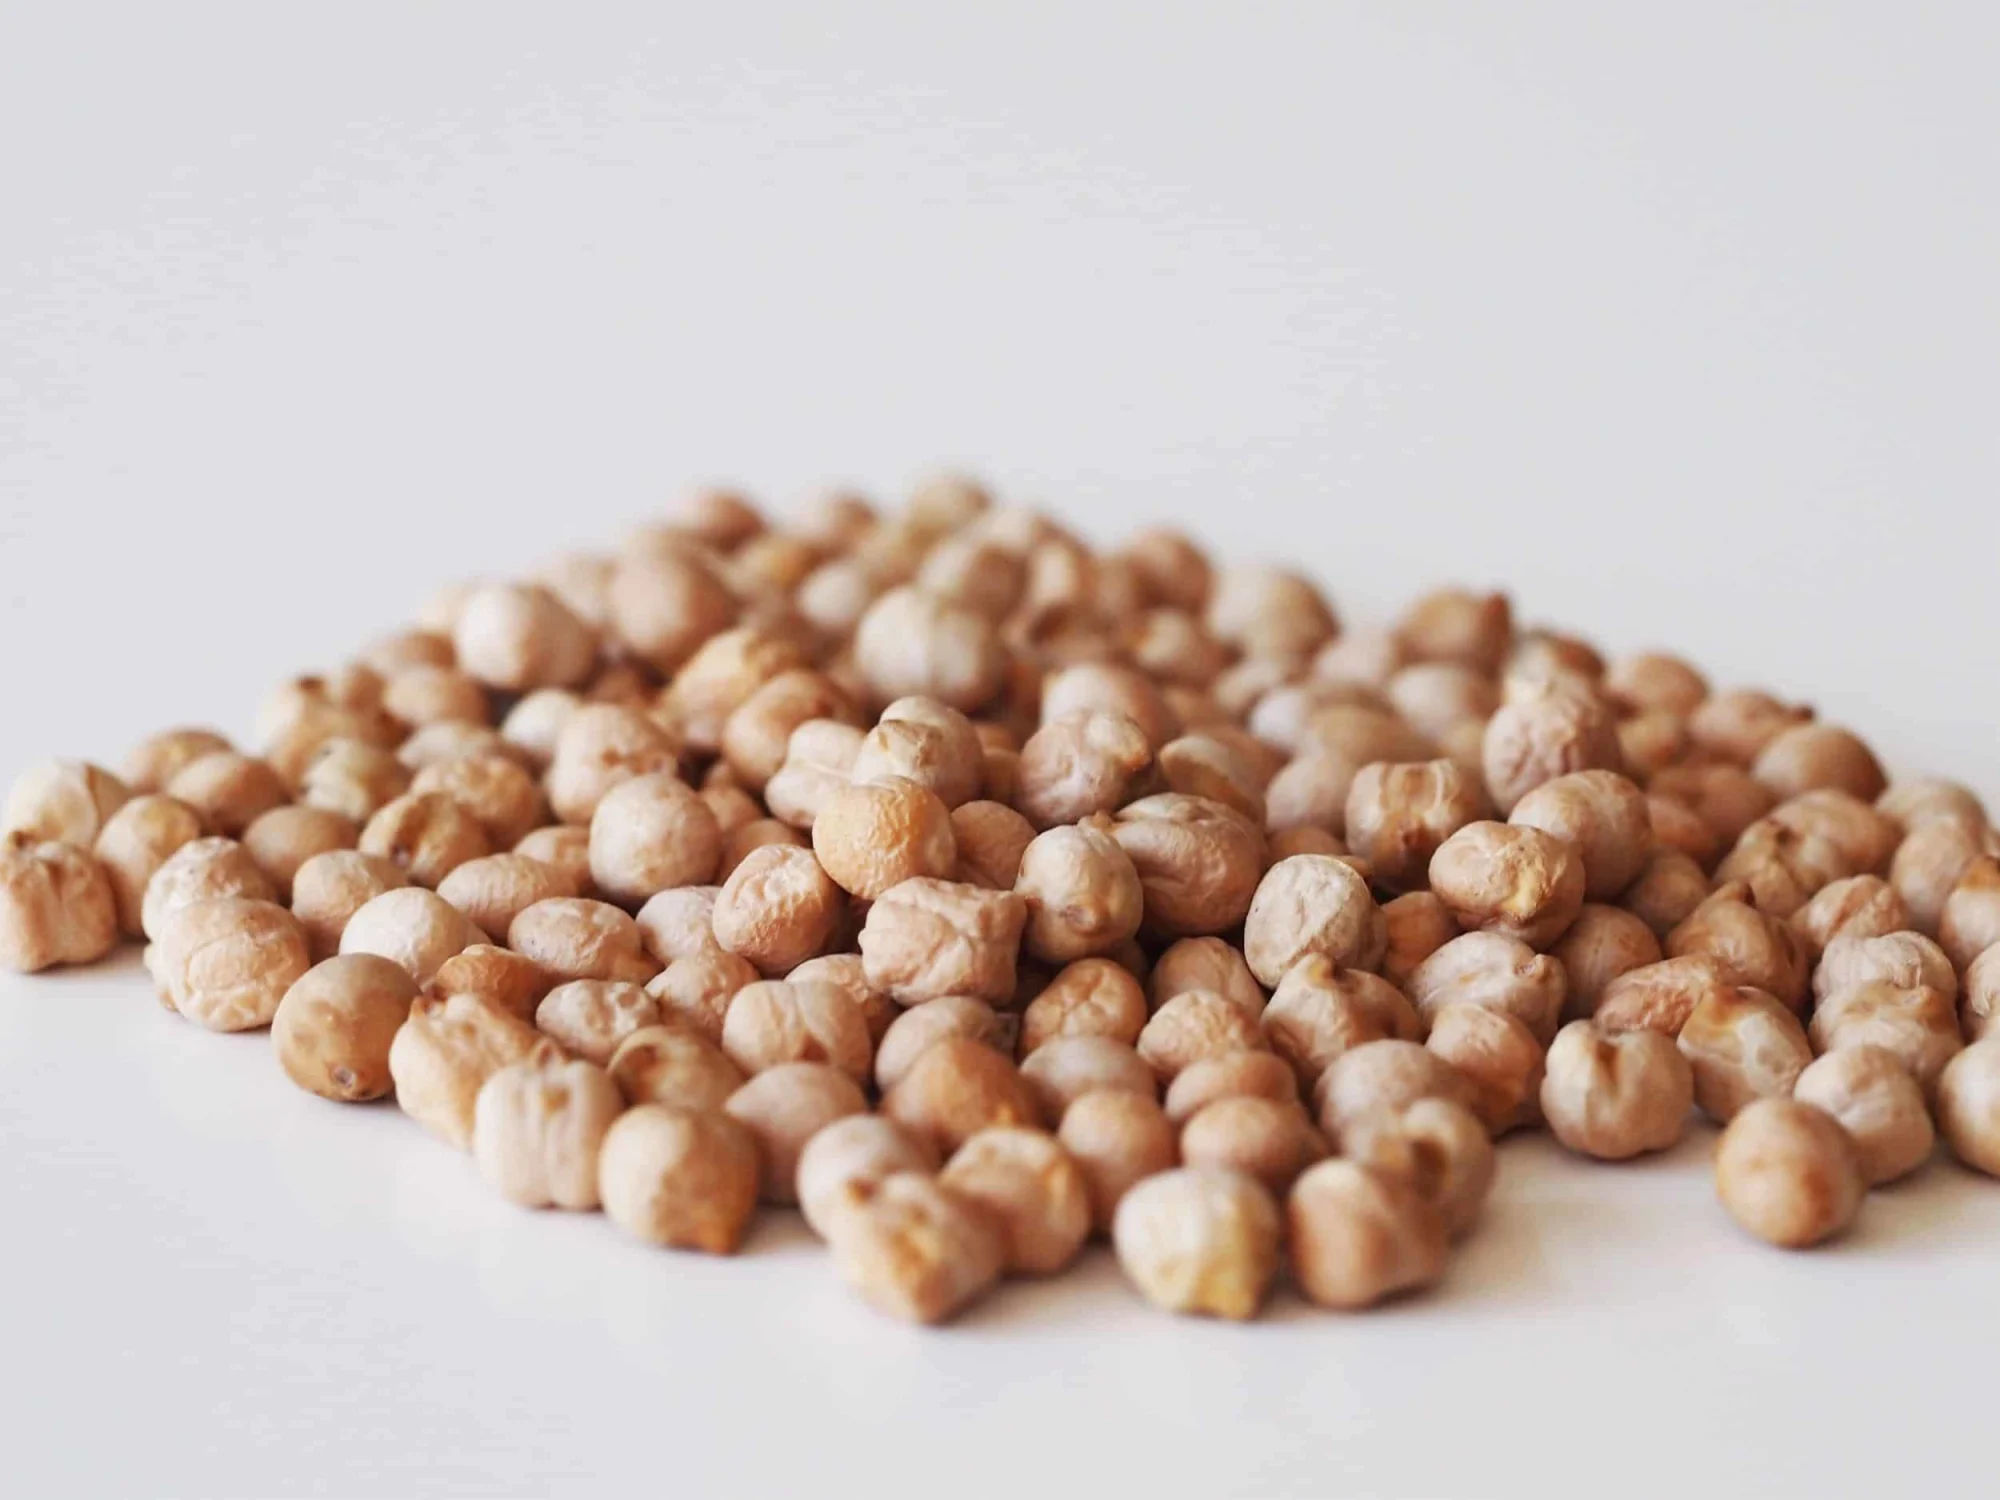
(1918, 1024)
(1365, 658)
(1310, 841)
(1660, 997)
(1970, 921)
(1980, 1006)
(564, 847)
(991, 839)
(1550, 731)
(1360, 732)
(1787, 1173)
(1805, 757)
(650, 834)
(1321, 1011)
(1382, 1076)
(1928, 866)
(1398, 815)
(757, 734)
(1262, 1138)
(834, 597)
(329, 888)
(1749, 946)
(520, 636)
(1257, 1075)
(695, 992)
(870, 836)
(533, 726)
(1907, 804)
(818, 759)
(574, 938)
(1060, 1072)
(1497, 972)
(1194, 1025)
(848, 1157)
(1738, 723)
(1669, 887)
(1864, 837)
(447, 1048)
(229, 791)
(495, 889)
(1358, 1236)
(679, 923)
(1439, 1148)
(1782, 867)
(921, 740)
(1205, 963)
(1434, 696)
(1091, 997)
(955, 1088)
(1615, 1094)
(784, 1108)
(772, 1022)
(1082, 892)
(449, 739)
(508, 980)
(670, 1066)
(1603, 816)
(538, 1130)
(1652, 680)
(683, 1178)
(62, 802)
(1312, 904)
(601, 746)
(1458, 625)
(1652, 743)
(155, 760)
(926, 938)
(1087, 762)
(1312, 790)
(1117, 1139)
(1878, 1103)
(914, 1249)
(917, 1029)
(201, 870)
(1499, 1058)
(57, 905)
(135, 841)
(499, 794)
(433, 695)
(1521, 882)
(333, 1028)
(1902, 959)
(1859, 906)
(1202, 1240)
(1030, 1188)
(589, 1018)
(426, 834)
(1417, 924)
(1603, 943)
(1968, 1105)
(663, 605)
(847, 973)
(910, 644)
(227, 963)
(283, 839)
(1742, 1044)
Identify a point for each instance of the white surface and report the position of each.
(1681, 326)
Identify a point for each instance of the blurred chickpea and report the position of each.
(1437, 1147)
(1212, 765)
(1294, 841)
(1603, 943)
(955, 1088)
(921, 740)
(757, 733)
(1382, 1076)
(1546, 733)
(575, 938)
(1970, 921)
(534, 725)
(154, 760)
(1063, 1070)
(446, 1050)
(67, 802)
(203, 869)
(1979, 1008)
(1363, 657)
(1787, 1173)
(448, 739)
(926, 938)
(1865, 838)
(505, 978)
(1738, 723)
(818, 758)
(1090, 997)
(1495, 971)
(1082, 892)
(1661, 996)
(228, 790)
(681, 1178)
(601, 746)
(1361, 732)
(1499, 1058)
(1081, 764)
(431, 695)
(1918, 1024)
(1518, 881)
(1117, 1139)
(912, 644)
(784, 1107)
(329, 888)
(991, 839)
(283, 839)
(1201, 1240)
(1615, 1094)
(1261, 1075)
(411, 927)
(352, 778)
(1205, 963)
(1320, 1011)
(538, 1127)
(1878, 1103)
(1267, 1139)
(1417, 924)
(515, 637)
(1911, 804)
(1603, 816)
(848, 1157)
(134, 842)
(678, 923)
(1398, 815)
(1653, 680)
(1194, 1025)
(563, 847)
(663, 605)
(1742, 1044)
(1808, 756)
(1312, 791)
(1859, 906)
(56, 906)
(1928, 866)
(1751, 947)
(1434, 696)
(1030, 1188)
(921, 1027)
(1968, 1106)
(1668, 889)
(495, 889)
(1652, 742)
(496, 790)
(1358, 1236)
(695, 992)
(1456, 624)
(774, 1022)
(914, 1249)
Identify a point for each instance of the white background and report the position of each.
(1682, 323)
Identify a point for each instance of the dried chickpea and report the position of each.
(870, 836)
(352, 778)
(1908, 804)
(1499, 1058)
(834, 597)
(538, 1128)
(1742, 1044)
(1902, 959)
(664, 604)
(534, 725)
(1312, 791)
(1267, 1139)
(1083, 895)
(499, 793)
(202, 870)
(695, 992)
(955, 1088)
(1497, 972)
(1118, 1139)
(1603, 816)
(496, 888)
(1805, 757)
(1205, 963)
(1358, 1236)
(57, 905)
(926, 938)
(1083, 763)
(912, 644)
(1060, 1072)
(1783, 867)
(1359, 732)
(1439, 1148)
(1549, 731)
(228, 790)
(679, 923)
(510, 981)
(1201, 1240)
(773, 1022)
(1385, 1075)
(434, 695)
(412, 927)
(1030, 1188)
(1653, 742)
(1738, 723)
(1311, 904)
(1654, 680)
(1615, 1094)
(283, 839)
(650, 834)
(671, 1066)
(1661, 996)
(515, 637)
(921, 740)
(1668, 888)
(1365, 658)
(1979, 1008)
(1970, 921)
(63, 802)
(426, 834)
(154, 760)
(589, 1018)
(847, 973)
(1455, 624)
(856, 1151)
(1750, 946)
(1928, 866)
(818, 759)
(227, 963)
(1521, 882)
(134, 842)
(409, 648)
(334, 1026)
(448, 739)
(1601, 944)
(446, 1050)
(1865, 838)
(757, 733)
(1418, 924)
(1206, 764)
(1918, 1024)
(1320, 1011)
(574, 938)
(328, 889)
(601, 746)
(1968, 1105)
(784, 1108)
(1787, 1173)
(1878, 1103)
(1260, 1075)
(1859, 906)
(990, 838)
(913, 1248)
(1194, 1025)
(682, 1178)
(1433, 696)
(1091, 997)
(1397, 816)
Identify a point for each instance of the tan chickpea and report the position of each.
(1738, 723)
(818, 758)
(1320, 1011)
(1918, 1024)
(1060, 1072)
(1970, 921)
(1359, 732)
(1082, 893)
(1653, 680)
(870, 836)
(1968, 1105)
(1661, 996)
(1603, 816)
(448, 739)
(834, 597)
(1497, 972)
(1259, 1075)
(1270, 1140)
(912, 1248)
(1084, 763)
(497, 791)
(1434, 696)
(1521, 882)
(581, 582)
(1030, 1188)
(695, 992)
(1859, 906)
(1499, 1058)
(1865, 838)
(1385, 1075)
(154, 760)
(534, 725)
(1365, 658)
(283, 839)
(1202, 1240)
(671, 1066)
(601, 746)
(1358, 1236)
(296, 729)
(926, 938)
(1205, 963)
(650, 834)
(664, 604)
(62, 802)
(334, 1026)
(57, 905)
(496, 888)
(1742, 1044)
(1902, 959)
(1653, 742)
(784, 1108)
(847, 973)
(912, 644)
(956, 1087)
(1091, 997)
(589, 1018)
(427, 835)
(991, 839)
(412, 927)
(447, 1048)
(1458, 625)
(201, 870)
(1615, 1094)
(682, 1178)
(516, 637)
(920, 740)
(1417, 924)
(134, 842)
(773, 1022)
(1547, 732)
(1878, 1103)
(1194, 1025)
(1668, 888)
(227, 963)
(756, 735)
(1311, 904)
(1979, 1008)
(1928, 866)
(1751, 947)
(352, 778)
(853, 1153)
(1295, 841)
(1435, 1146)
(1118, 1139)
(538, 1129)
(1808, 756)
(1787, 1173)
(1312, 790)
(409, 648)
(510, 981)
(679, 923)
(1782, 867)
(1397, 816)
(228, 790)
(435, 695)
(1089, 690)
(329, 888)
(1908, 804)
(740, 843)
(1603, 943)
(575, 938)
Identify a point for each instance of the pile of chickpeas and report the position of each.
(980, 892)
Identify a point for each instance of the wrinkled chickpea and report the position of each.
(1311, 904)
(1397, 816)
(574, 938)
(679, 923)
(1091, 997)
(1918, 1024)
(1979, 1007)
(228, 790)
(1750, 946)
(328, 889)
(155, 760)
(63, 802)
(695, 992)
(601, 746)
(650, 834)
(818, 759)
(1202, 1240)
(1378, 1076)
(589, 1018)
(912, 1248)
(57, 905)
(1194, 1025)
(1439, 1148)
(497, 790)
(283, 839)
(1205, 963)
(1087, 762)
(784, 1108)
(671, 1066)
(1603, 943)
(227, 963)
(1060, 1072)
(870, 836)
(1782, 866)
(773, 1022)
(1668, 888)
(538, 1130)
(1615, 1094)
(1521, 882)
(1902, 959)
(1258, 1075)
(1497, 972)
(134, 842)
(927, 938)
(1787, 1173)
(1928, 866)
(1742, 1044)
(1499, 1058)
(1320, 1011)
(513, 983)
(1083, 895)
(1878, 1103)
(352, 778)
(1603, 816)
(1737, 723)
(1550, 730)
(956, 1087)
(847, 1157)
(1030, 1189)
(1859, 906)
(1417, 925)
(1358, 1236)
(447, 1048)
(991, 839)
(426, 834)
(333, 1028)
(686, 1179)
(1661, 996)
(496, 888)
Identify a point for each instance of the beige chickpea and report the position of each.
(913, 644)
(538, 1129)
(497, 791)
(921, 740)
(1653, 742)
(155, 759)
(784, 1108)
(668, 1065)
(1311, 904)
(516, 637)
(1669, 887)
(1521, 882)
(1309, 841)
(1783, 867)
(1918, 1024)
(870, 836)
(739, 844)
(412, 927)
(1260, 1075)
(1968, 1105)
(1878, 1103)
(912, 1248)
(448, 739)
(849, 974)
(1970, 921)
(57, 905)
(63, 802)
(1661, 996)
(200, 870)
(1084, 763)
(1751, 947)
(1979, 1007)
(1270, 612)
(1908, 804)
(1864, 837)
(1902, 959)
(1090, 997)
(1207, 764)
(581, 582)
(853, 1153)
(650, 834)
(1205, 963)
(534, 725)
(283, 839)
(679, 923)
(818, 758)
(682, 1178)
(1603, 816)
(1499, 1058)
(426, 834)
(1321, 1010)
(1742, 1044)
(757, 734)
(1384, 1075)
(695, 992)
(991, 839)
(510, 981)
(352, 778)
(1030, 1188)
(1654, 680)
(435, 695)
(663, 604)
(1365, 658)
(1417, 924)
(228, 790)
(575, 938)
(956, 1087)
(589, 1018)
(1091, 689)
(1194, 1025)
(1433, 696)
(1787, 1173)
(409, 648)
(602, 746)
(926, 938)
(1312, 790)
(1360, 732)
(1928, 866)
(1615, 1094)
(1358, 1236)
(329, 888)
(1201, 1240)
(1082, 892)
(1060, 1072)
(1549, 731)
(447, 1048)
(1601, 944)
(1455, 624)
(1397, 816)
(496, 888)
(1737, 723)
(773, 1022)
(296, 729)
(1497, 972)
(333, 1028)
(1270, 1140)
(1118, 1139)
(1859, 906)
(134, 842)
(1171, 569)
(1439, 1148)
(1805, 757)
(834, 597)
(227, 963)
